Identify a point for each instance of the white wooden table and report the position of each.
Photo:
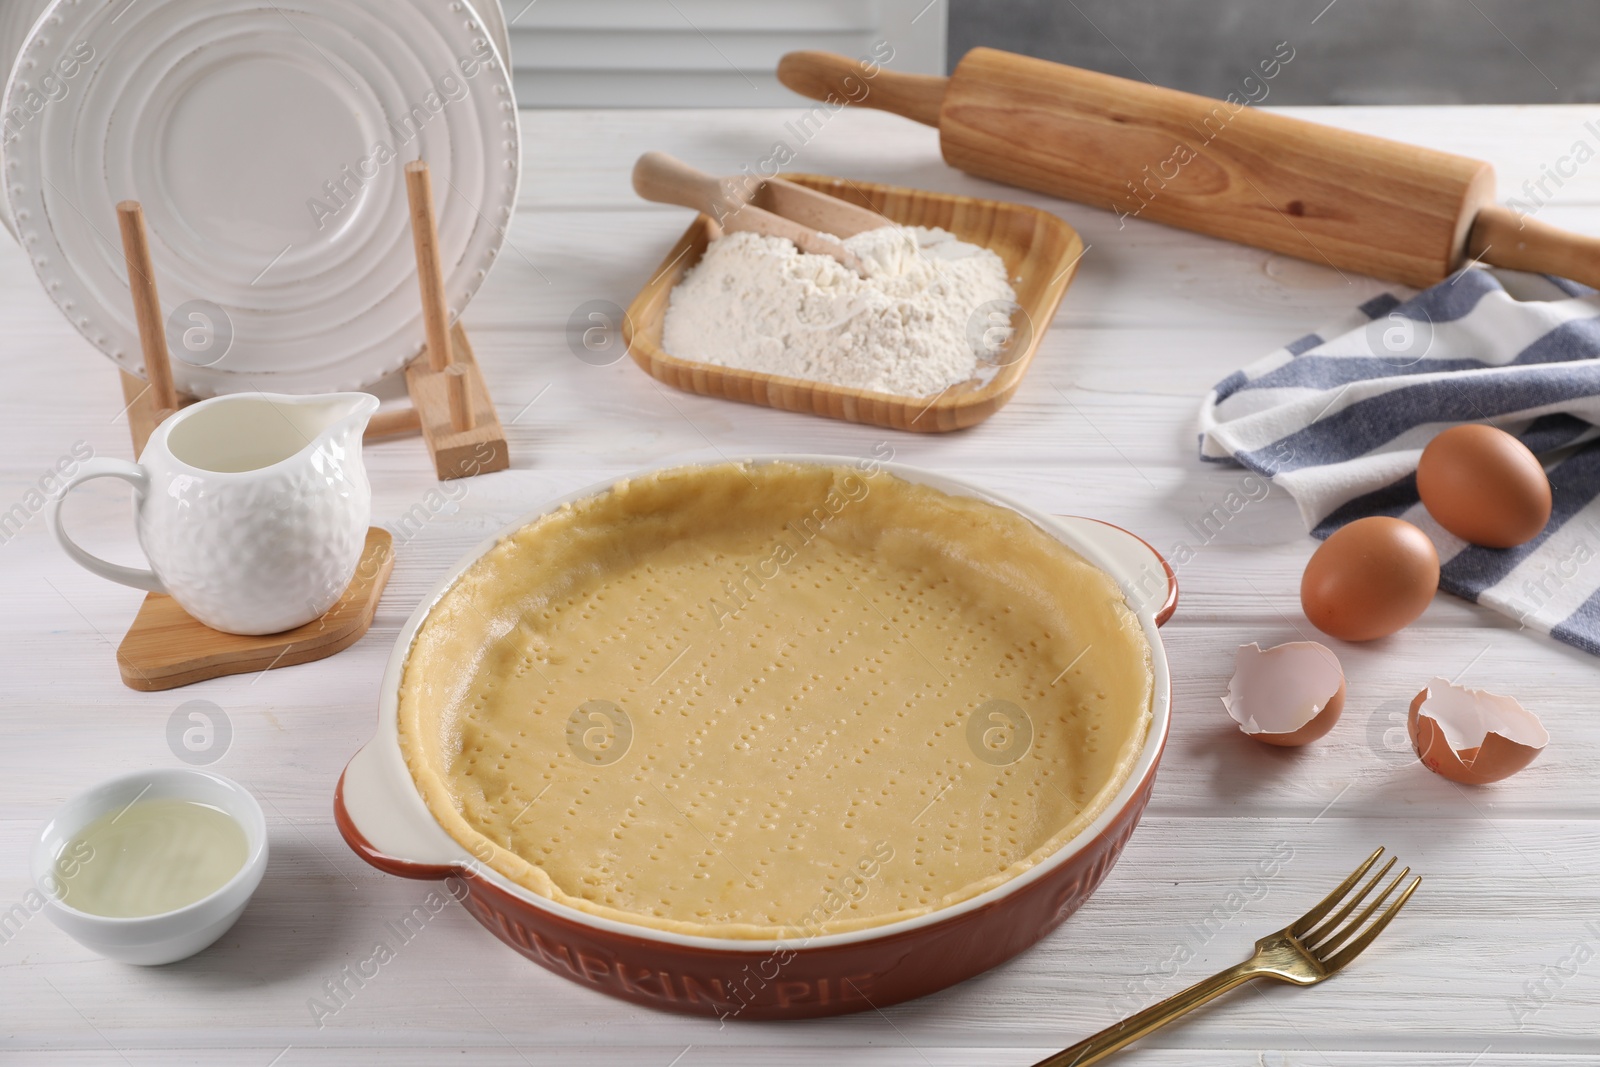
(1493, 964)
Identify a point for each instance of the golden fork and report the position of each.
(1303, 953)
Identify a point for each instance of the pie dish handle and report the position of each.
(384, 821)
(1147, 579)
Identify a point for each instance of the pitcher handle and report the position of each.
(134, 475)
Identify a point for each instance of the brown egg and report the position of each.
(1371, 578)
(1473, 736)
(1484, 486)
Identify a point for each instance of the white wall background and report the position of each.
(701, 53)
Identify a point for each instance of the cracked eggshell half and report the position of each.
(1473, 736)
(1287, 695)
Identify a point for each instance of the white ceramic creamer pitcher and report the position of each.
(251, 507)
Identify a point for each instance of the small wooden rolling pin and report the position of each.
(1354, 201)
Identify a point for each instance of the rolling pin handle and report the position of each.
(833, 78)
(1506, 238)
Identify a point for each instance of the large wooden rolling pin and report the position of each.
(1357, 202)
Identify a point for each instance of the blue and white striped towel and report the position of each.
(1339, 417)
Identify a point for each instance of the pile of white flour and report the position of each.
(914, 325)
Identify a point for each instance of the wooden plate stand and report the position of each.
(450, 407)
(450, 403)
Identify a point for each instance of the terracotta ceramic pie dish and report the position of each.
(783, 743)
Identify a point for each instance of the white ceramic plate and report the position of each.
(494, 21)
(18, 16)
(267, 144)
(16, 19)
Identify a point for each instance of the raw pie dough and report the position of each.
(738, 701)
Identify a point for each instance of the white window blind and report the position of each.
(701, 53)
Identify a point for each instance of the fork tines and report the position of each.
(1322, 935)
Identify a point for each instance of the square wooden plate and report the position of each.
(1041, 254)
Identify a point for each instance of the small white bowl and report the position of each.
(171, 935)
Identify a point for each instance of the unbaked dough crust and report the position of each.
(737, 701)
